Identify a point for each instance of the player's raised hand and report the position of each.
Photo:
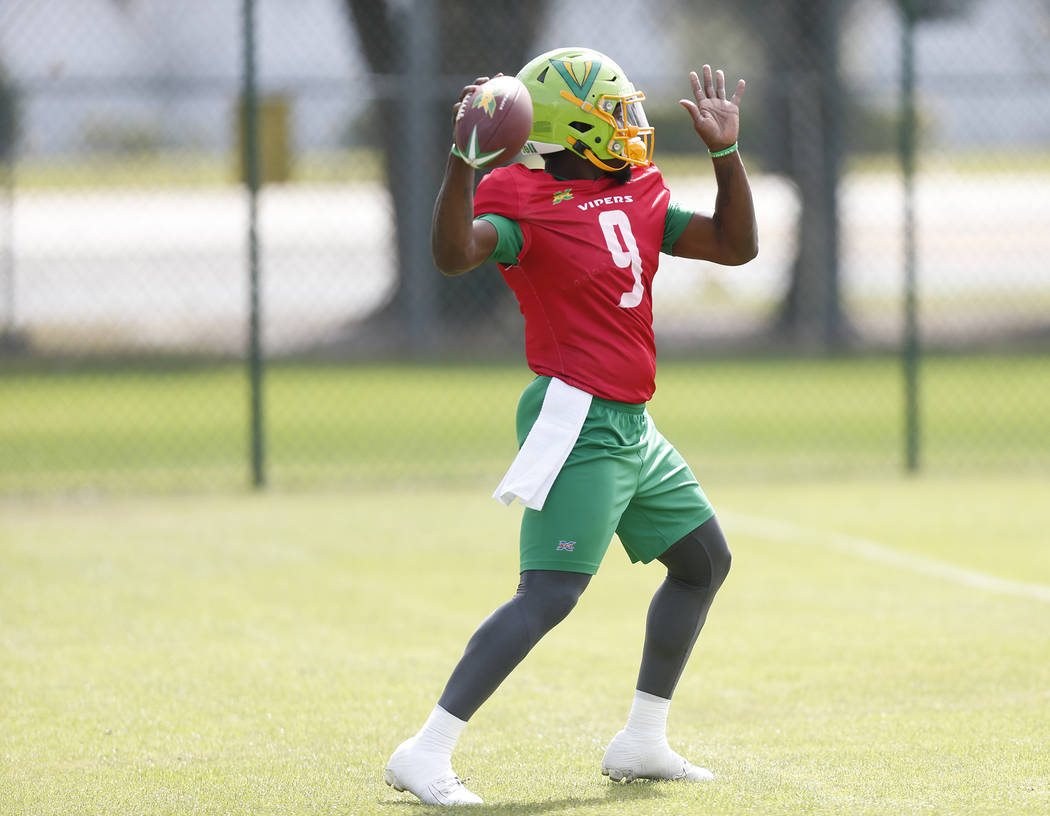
(715, 118)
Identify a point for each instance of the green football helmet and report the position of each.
(583, 101)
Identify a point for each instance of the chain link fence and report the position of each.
(125, 257)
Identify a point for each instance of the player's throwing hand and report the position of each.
(715, 118)
(467, 90)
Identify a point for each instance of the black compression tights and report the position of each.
(696, 566)
(543, 599)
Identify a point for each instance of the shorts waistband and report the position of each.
(622, 407)
(612, 405)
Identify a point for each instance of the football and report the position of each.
(493, 122)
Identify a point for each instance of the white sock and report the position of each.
(440, 732)
(648, 718)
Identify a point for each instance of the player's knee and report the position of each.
(721, 559)
(560, 603)
(701, 559)
(550, 596)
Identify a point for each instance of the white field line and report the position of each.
(788, 532)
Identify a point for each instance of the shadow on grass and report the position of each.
(613, 794)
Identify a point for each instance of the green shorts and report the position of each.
(622, 477)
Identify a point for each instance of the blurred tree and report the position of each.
(803, 140)
(471, 38)
(803, 108)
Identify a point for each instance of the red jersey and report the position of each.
(584, 275)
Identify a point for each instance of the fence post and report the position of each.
(9, 339)
(910, 347)
(251, 165)
(7, 252)
(419, 69)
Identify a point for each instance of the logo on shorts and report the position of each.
(567, 546)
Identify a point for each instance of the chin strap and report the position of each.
(589, 154)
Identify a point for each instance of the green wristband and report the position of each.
(717, 154)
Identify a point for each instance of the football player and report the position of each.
(579, 242)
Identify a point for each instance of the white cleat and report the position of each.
(627, 759)
(428, 776)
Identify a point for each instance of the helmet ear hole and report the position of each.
(582, 127)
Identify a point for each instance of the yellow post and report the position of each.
(275, 152)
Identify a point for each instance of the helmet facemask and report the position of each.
(631, 140)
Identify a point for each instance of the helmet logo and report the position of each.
(580, 86)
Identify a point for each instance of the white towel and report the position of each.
(548, 445)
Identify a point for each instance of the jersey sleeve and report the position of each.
(497, 200)
(498, 194)
(675, 222)
(509, 241)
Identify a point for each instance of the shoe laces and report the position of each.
(447, 785)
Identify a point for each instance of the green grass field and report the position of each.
(166, 427)
(263, 654)
(173, 644)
